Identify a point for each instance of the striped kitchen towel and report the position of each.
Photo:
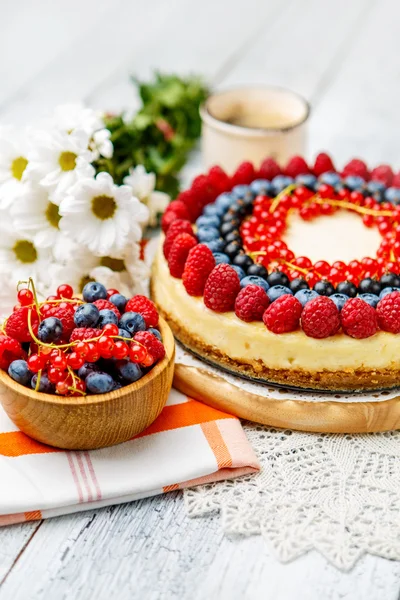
(189, 444)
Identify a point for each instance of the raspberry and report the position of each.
(323, 164)
(320, 318)
(199, 264)
(175, 210)
(145, 307)
(178, 226)
(219, 179)
(221, 289)
(388, 312)
(296, 166)
(17, 324)
(269, 169)
(203, 191)
(84, 333)
(151, 343)
(178, 254)
(65, 312)
(356, 167)
(396, 180)
(244, 174)
(358, 319)
(283, 315)
(383, 173)
(251, 303)
(190, 202)
(101, 304)
(10, 350)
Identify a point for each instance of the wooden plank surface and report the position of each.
(343, 57)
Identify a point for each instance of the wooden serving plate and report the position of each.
(88, 422)
(286, 409)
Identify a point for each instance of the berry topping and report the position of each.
(277, 291)
(50, 330)
(179, 252)
(84, 333)
(145, 307)
(17, 324)
(129, 371)
(383, 173)
(359, 319)
(244, 174)
(106, 304)
(119, 301)
(320, 318)
(99, 383)
(132, 322)
(94, 291)
(296, 166)
(177, 227)
(199, 264)
(251, 303)
(278, 278)
(65, 311)
(176, 210)
(86, 315)
(221, 289)
(304, 296)
(324, 288)
(151, 343)
(283, 315)
(107, 316)
(356, 167)
(269, 169)
(388, 312)
(19, 371)
(323, 164)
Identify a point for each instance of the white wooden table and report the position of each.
(343, 55)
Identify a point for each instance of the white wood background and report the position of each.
(344, 56)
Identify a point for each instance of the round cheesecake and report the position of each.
(337, 362)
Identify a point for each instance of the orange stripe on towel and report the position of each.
(217, 444)
(34, 515)
(184, 415)
(171, 488)
(16, 443)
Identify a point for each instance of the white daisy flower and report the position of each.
(69, 117)
(143, 184)
(129, 274)
(14, 151)
(21, 258)
(75, 272)
(102, 216)
(101, 145)
(59, 160)
(8, 295)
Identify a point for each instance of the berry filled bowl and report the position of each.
(84, 373)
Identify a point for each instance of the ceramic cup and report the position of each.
(252, 123)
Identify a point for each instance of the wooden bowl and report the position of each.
(91, 421)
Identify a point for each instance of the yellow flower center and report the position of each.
(52, 214)
(67, 161)
(115, 264)
(103, 207)
(18, 167)
(25, 251)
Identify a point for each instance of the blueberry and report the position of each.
(239, 271)
(99, 382)
(20, 372)
(258, 270)
(388, 290)
(224, 201)
(280, 182)
(220, 257)
(88, 368)
(228, 227)
(50, 330)
(370, 299)
(324, 288)
(254, 280)
(86, 315)
(233, 236)
(307, 180)
(390, 280)
(207, 234)
(124, 333)
(242, 260)
(261, 187)
(107, 316)
(155, 332)
(215, 245)
(119, 301)
(94, 291)
(376, 189)
(213, 210)
(277, 291)
(132, 322)
(347, 288)
(45, 386)
(204, 221)
(392, 194)
(278, 278)
(238, 209)
(232, 249)
(330, 178)
(304, 296)
(298, 284)
(369, 286)
(339, 300)
(129, 371)
(242, 192)
(354, 182)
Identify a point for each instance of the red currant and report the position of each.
(82, 348)
(148, 361)
(75, 360)
(137, 353)
(105, 346)
(120, 350)
(65, 291)
(25, 297)
(36, 362)
(110, 329)
(62, 388)
(93, 354)
(59, 361)
(55, 375)
(322, 268)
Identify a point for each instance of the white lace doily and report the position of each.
(338, 494)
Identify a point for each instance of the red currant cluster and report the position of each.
(263, 230)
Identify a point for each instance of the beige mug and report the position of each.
(252, 123)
